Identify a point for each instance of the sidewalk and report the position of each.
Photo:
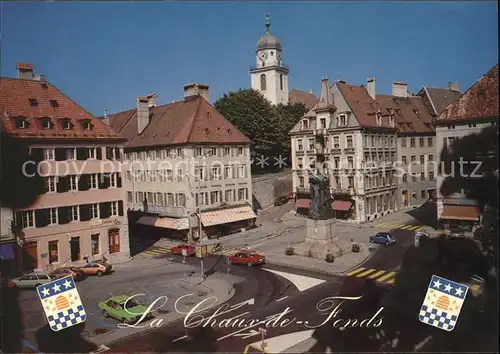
(216, 287)
(340, 266)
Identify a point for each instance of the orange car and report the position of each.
(95, 268)
(189, 247)
(62, 272)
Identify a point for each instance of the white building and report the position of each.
(475, 110)
(183, 160)
(270, 75)
(348, 136)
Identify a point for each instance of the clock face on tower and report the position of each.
(279, 56)
(263, 55)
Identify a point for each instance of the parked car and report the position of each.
(95, 268)
(189, 247)
(33, 280)
(281, 201)
(247, 257)
(76, 274)
(104, 263)
(115, 307)
(383, 238)
(6, 283)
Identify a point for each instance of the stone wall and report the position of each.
(266, 188)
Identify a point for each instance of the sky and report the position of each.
(104, 55)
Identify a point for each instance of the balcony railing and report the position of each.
(348, 191)
(336, 151)
(280, 65)
(320, 131)
(165, 210)
(349, 149)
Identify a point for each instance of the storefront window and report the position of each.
(94, 240)
(53, 251)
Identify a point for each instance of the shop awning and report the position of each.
(460, 212)
(341, 205)
(165, 222)
(7, 251)
(302, 203)
(224, 216)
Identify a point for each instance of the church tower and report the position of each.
(270, 76)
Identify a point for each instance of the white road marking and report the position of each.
(281, 343)
(301, 282)
(283, 298)
(180, 338)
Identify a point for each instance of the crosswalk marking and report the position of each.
(389, 225)
(387, 276)
(365, 273)
(392, 281)
(379, 273)
(355, 271)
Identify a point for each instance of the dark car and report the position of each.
(281, 201)
(383, 238)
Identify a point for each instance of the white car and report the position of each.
(32, 280)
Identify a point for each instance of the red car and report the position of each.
(189, 247)
(249, 258)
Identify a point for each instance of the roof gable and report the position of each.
(442, 97)
(479, 101)
(31, 100)
(411, 115)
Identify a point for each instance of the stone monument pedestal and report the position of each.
(321, 239)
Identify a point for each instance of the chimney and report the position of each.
(151, 99)
(400, 89)
(40, 77)
(142, 114)
(24, 71)
(454, 86)
(196, 89)
(370, 87)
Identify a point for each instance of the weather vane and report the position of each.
(268, 21)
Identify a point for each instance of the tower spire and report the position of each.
(268, 22)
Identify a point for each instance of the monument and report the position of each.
(321, 238)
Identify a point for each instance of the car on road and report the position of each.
(75, 273)
(189, 247)
(281, 201)
(250, 258)
(32, 280)
(95, 268)
(383, 238)
(123, 309)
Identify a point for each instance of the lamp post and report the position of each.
(263, 333)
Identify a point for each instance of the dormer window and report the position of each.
(379, 119)
(391, 121)
(305, 124)
(46, 123)
(86, 124)
(66, 124)
(33, 102)
(342, 120)
(21, 123)
(54, 103)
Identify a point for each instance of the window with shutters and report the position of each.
(170, 199)
(26, 219)
(73, 213)
(73, 183)
(48, 154)
(50, 184)
(241, 171)
(71, 154)
(113, 209)
(113, 179)
(180, 175)
(159, 199)
(94, 211)
(412, 142)
(182, 199)
(214, 197)
(52, 216)
(241, 194)
(93, 179)
(92, 153)
(228, 195)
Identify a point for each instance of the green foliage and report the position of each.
(266, 125)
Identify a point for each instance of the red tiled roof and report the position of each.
(411, 115)
(363, 106)
(192, 121)
(479, 101)
(298, 96)
(15, 96)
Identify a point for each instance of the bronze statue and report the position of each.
(321, 204)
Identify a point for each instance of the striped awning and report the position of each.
(460, 212)
(341, 205)
(165, 222)
(302, 203)
(224, 216)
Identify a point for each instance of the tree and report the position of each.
(266, 125)
(254, 116)
(470, 164)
